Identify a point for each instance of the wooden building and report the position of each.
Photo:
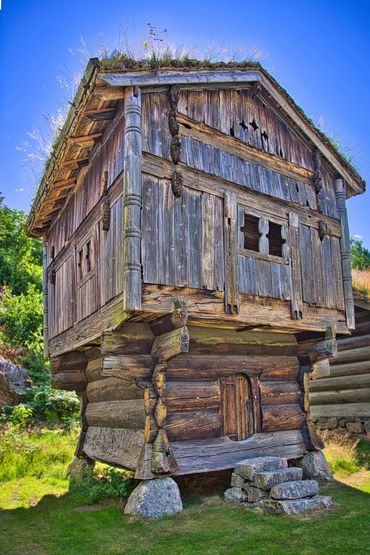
(340, 398)
(196, 237)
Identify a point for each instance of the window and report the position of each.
(251, 233)
(264, 236)
(85, 260)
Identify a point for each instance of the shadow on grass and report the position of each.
(57, 525)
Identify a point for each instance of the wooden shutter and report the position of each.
(236, 407)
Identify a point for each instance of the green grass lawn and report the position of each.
(39, 516)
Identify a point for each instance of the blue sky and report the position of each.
(318, 50)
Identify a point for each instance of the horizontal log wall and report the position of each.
(345, 393)
(121, 399)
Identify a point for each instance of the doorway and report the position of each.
(237, 410)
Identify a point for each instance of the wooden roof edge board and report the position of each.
(122, 79)
(86, 84)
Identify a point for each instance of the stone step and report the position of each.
(266, 480)
(295, 489)
(249, 467)
(298, 506)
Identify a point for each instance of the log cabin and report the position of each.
(196, 265)
(340, 398)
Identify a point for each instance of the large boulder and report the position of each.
(155, 499)
(13, 382)
(314, 465)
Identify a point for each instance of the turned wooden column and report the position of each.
(132, 201)
(340, 191)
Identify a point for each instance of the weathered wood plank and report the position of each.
(115, 446)
(127, 413)
(282, 417)
(343, 409)
(112, 389)
(338, 396)
(276, 393)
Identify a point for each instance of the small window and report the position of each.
(251, 233)
(79, 264)
(87, 256)
(275, 240)
(264, 237)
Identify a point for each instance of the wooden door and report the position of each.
(236, 407)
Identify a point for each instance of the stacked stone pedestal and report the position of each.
(268, 483)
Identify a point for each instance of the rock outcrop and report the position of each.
(13, 382)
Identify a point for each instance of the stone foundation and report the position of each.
(353, 425)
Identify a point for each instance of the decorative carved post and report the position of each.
(340, 191)
(296, 302)
(132, 201)
(45, 293)
(231, 259)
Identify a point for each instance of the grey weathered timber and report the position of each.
(132, 201)
(296, 274)
(231, 76)
(340, 191)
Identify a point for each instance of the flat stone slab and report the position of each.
(266, 480)
(235, 495)
(254, 494)
(155, 499)
(249, 467)
(237, 481)
(295, 490)
(298, 506)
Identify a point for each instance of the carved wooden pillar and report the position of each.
(132, 201)
(340, 191)
(296, 302)
(45, 293)
(231, 257)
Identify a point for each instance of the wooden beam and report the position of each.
(100, 114)
(75, 163)
(210, 136)
(64, 184)
(84, 140)
(170, 344)
(345, 249)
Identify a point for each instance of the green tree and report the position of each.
(360, 256)
(20, 256)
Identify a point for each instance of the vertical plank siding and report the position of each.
(182, 240)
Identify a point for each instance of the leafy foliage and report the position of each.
(116, 484)
(20, 256)
(360, 256)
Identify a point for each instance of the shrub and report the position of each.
(21, 416)
(53, 405)
(115, 484)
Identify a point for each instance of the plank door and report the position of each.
(236, 407)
